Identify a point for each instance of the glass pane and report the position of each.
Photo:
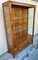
(30, 21)
(7, 21)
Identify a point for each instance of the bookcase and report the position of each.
(16, 25)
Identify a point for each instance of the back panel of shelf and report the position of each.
(19, 21)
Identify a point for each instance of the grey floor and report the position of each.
(29, 53)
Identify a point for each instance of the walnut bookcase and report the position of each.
(16, 25)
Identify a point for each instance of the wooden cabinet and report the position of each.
(16, 25)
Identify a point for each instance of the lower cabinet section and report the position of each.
(19, 47)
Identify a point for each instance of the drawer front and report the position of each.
(22, 46)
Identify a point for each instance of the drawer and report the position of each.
(22, 46)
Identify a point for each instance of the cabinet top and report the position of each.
(19, 4)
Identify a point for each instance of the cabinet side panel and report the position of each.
(7, 23)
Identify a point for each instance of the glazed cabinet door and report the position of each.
(7, 25)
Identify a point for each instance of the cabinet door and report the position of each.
(7, 23)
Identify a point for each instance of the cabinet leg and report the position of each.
(13, 56)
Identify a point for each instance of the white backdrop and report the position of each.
(3, 45)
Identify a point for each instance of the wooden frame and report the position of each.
(8, 3)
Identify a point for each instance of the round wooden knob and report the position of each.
(19, 48)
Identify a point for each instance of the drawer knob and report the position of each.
(19, 48)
